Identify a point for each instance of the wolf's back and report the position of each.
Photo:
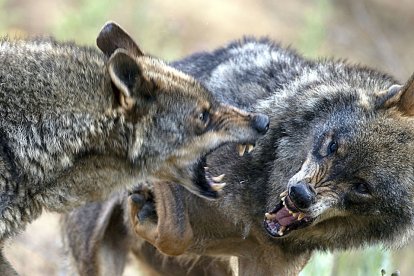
(245, 71)
(42, 75)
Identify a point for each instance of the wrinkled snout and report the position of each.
(302, 195)
(260, 123)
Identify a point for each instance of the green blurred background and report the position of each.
(372, 32)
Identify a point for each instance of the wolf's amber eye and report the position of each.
(332, 147)
(204, 117)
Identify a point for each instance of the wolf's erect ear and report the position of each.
(406, 102)
(401, 97)
(113, 37)
(388, 98)
(126, 75)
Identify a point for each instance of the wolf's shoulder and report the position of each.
(249, 51)
(47, 47)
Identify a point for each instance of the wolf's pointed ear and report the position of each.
(401, 97)
(406, 102)
(113, 37)
(126, 75)
(388, 98)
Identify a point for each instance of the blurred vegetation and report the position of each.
(356, 262)
(313, 35)
(372, 32)
(82, 21)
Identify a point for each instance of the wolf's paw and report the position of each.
(142, 205)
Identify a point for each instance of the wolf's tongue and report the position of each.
(284, 218)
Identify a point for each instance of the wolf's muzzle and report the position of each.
(302, 195)
(260, 123)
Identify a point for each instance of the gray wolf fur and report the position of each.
(77, 124)
(335, 170)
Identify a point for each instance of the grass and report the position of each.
(369, 261)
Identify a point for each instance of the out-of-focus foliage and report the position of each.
(356, 262)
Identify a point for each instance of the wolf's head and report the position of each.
(346, 156)
(175, 120)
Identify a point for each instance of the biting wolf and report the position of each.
(335, 170)
(78, 123)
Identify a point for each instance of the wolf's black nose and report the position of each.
(302, 195)
(261, 123)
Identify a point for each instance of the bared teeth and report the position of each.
(295, 215)
(217, 186)
(281, 230)
(284, 194)
(250, 147)
(218, 179)
(241, 148)
(270, 216)
(301, 216)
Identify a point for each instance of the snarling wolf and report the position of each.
(78, 123)
(334, 171)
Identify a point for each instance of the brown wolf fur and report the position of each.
(335, 170)
(99, 238)
(77, 125)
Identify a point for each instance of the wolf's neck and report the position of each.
(90, 161)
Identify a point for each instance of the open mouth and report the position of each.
(285, 217)
(210, 186)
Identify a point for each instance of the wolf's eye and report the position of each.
(362, 188)
(332, 147)
(204, 116)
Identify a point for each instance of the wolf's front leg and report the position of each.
(160, 217)
(5, 268)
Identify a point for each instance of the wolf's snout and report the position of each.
(302, 195)
(260, 123)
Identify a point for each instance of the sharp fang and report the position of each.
(250, 147)
(281, 230)
(206, 168)
(270, 216)
(284, 194)
(290, 212)
(217, 186)
(295, 215)
(218, 178)
(301, 216)
(242, 149)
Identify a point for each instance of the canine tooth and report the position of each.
(281, 230)
(284, 194)
(290, 212)
(217, 186)
(295, 215)
(270, 216)
(206, 168)
(301, 216)
(250, 147)
(218, 178)
(242, 149)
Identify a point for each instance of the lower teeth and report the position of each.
(281, 230)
